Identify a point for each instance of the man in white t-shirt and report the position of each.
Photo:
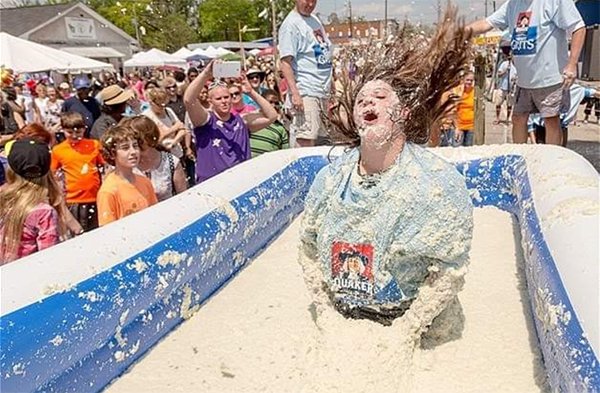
(306, 53)
(507, 74)
(539, 41)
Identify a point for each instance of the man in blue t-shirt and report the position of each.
(306, 53)
(83, 103)
(539, 42)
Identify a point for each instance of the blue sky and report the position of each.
(416, 10)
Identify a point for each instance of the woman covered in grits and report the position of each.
(388, 211)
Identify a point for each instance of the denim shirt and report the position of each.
(376, 237)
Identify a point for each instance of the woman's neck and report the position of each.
(149, 159)
(222, 116)
(239, 105)
(377, 159)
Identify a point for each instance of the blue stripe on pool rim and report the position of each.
(134, 306)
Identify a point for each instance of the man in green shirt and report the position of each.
(274, 137)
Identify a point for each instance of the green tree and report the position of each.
(157, 24)
(263, 7)
(172, 32)
(219, 19)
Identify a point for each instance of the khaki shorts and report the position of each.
(547, 101)
(501, 96)
(308, 124)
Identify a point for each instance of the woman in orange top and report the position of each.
(123, 192)
(465, 111)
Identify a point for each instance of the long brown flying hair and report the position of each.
(418, 68)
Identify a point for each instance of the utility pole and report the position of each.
(385, 21)
(242, 30)
(274, 33)
(439, 10)
(350, 12)
(486, 8)
(136, 24)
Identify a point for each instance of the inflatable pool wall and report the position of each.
(76, 316)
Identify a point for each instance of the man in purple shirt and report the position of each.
(222, 138)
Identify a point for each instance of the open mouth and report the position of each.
(369, 117)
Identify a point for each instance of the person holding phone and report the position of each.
(223, 138)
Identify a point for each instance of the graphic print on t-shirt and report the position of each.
(321, 49)
(352, 268)
(524, 37)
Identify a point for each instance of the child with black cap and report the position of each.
(29, 214)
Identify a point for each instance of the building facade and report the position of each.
(356, 31)
(72, 27)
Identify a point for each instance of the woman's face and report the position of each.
(271, 79)
(41, 91)
(220, 99)
(254, 80)
(354, 265)
(377, 114)
(236, 95)
(158, 107)
(204, 95)
(52, 94)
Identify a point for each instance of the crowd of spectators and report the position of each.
(117, 144)
(120, 143)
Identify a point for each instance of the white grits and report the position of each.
(258, 334)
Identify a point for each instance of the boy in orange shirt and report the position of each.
(80, 160)
(123, 192)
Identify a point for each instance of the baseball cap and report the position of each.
(81, 82)
(114, 94)
(28, 158)
(64, 86)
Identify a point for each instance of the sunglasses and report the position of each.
(172, 87)
(254, 77)
(216, 84)
(237, 94)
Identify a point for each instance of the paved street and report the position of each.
(583, 138)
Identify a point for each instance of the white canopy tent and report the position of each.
(222, 51)
(254, 52)
(183, 53)
(26, 56)
(213, 52)
(200, 52)
(155, 58)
